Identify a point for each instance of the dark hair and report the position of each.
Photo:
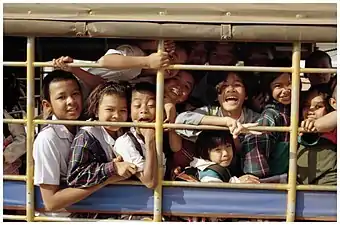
(217, 77)
(108, 88)
(144, 86)
(55, 76)
(210, 139)
(323, 90)
(268, 78)
(315, 56)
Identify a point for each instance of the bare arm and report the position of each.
(55, 198)
(90, 80)
(175, 141)
(149, 175)
(326, 123)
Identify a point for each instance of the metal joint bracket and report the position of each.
(226, 32)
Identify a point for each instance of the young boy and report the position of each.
(62, 94)
(138, 145)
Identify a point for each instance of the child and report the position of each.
(91, 161)
(317, 157)
(217, 148)
(51, 149)
(232, 94)
(318, 59)
(268, 154)
(138, 145)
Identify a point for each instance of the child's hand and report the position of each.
(170, 47)
(124, 169)
(61, 63)
(170, 112)
(308, 125)
(249, 179)
(236, 128)
(148, 133)
(158, 60)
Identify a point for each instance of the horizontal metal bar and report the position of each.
(16, 121)
(316, 188)
(226, 185)
(13, 217)
(67, 219)
(191, 67)
(148, 125)
(15, 177)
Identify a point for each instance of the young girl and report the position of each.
(92, 159)
(217, 150)
(317, 158)
(268, 154)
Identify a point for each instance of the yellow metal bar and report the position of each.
(294, 115)
(67, 219)
(157, 210)
(16, 121)
(15, 177)
(30, 130)
(13, 217)
(226, 185)
(191, 67)
(316, 188)
(149, 125)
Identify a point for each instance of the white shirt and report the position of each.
(51, 151)
(117, 75)
(127, 150)
(104, 138)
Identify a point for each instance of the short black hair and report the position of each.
(210, 139)
(144, 86)
(317, 55)
(55, 76)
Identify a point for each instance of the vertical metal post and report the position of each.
(30, 130)
(294, 124)
(159, 139)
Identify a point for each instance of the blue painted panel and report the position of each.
(123, 198)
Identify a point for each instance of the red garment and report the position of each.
(330, 136)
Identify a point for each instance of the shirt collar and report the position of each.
(107, 137)
(61, 130)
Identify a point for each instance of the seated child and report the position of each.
(316, 156)
(138, 145)
(217, 150)
(92, 158)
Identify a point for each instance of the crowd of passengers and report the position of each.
(72, 162)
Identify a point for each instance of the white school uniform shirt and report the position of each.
(51, 151)
(127, 150)
(117, 75)
(104, 138)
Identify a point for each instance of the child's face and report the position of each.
(179, 87)
(232, 93)
(65, 100)
(316, 78)
(143, 106)
(281, 89)
(198, 54)
(222, 155)
(314, 107)
(112, 108)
